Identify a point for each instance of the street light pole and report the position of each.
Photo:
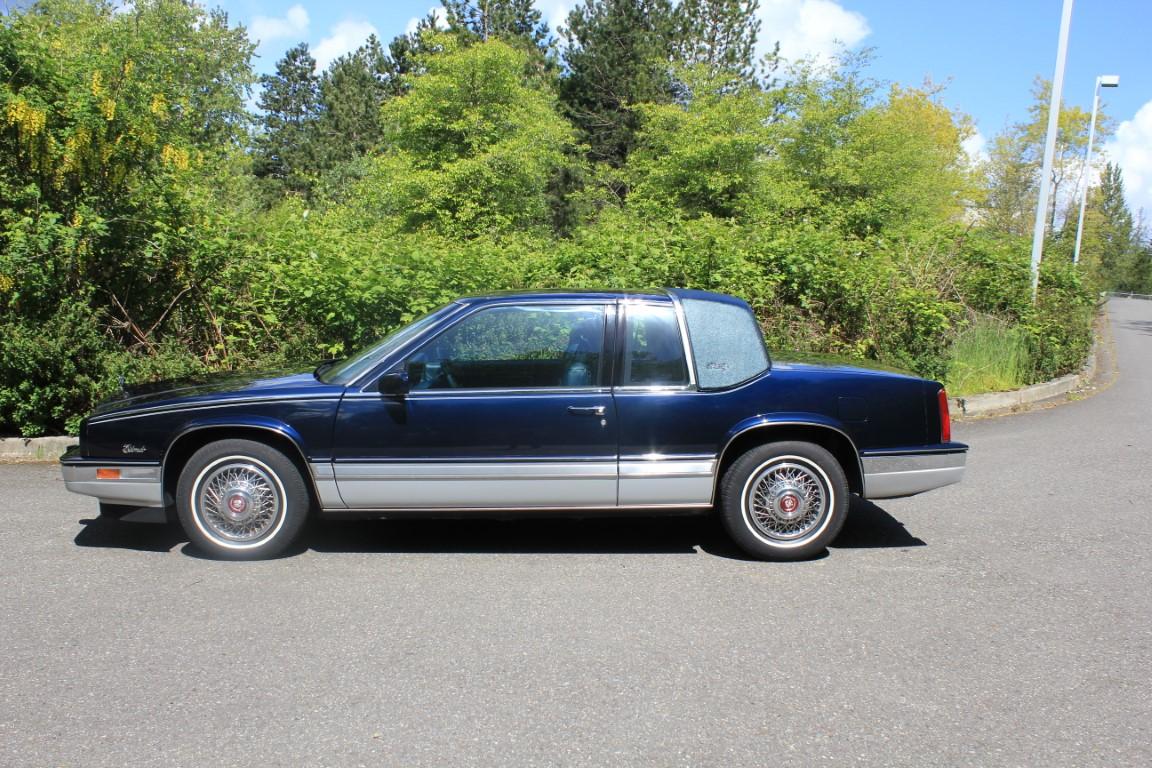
(1050, 148)
(1103, 81)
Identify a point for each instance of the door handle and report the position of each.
(591, 410)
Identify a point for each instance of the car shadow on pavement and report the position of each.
(868, 526)
(109, 533)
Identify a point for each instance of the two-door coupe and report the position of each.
(564, 402)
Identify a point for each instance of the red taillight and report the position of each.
(945, 421)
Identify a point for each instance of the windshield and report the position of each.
(347, 370)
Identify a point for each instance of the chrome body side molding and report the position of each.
(324, 481)
(476, 485)
(888, 476)
(635, 483)
(664, 481)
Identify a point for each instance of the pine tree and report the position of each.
(352, 91)
(719, 35)
(403, 55)
(1115, 240)
(618, 54)
(510, 20)
(287, 151)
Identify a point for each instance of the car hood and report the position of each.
(212, 386)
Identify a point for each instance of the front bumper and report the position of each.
(135, 484)
(904, 473)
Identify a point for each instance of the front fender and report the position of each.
(261, 423)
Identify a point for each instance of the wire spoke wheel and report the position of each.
(241, 499)
(787, 500)
(784, 500)
(238, 501)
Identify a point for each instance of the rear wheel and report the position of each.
(784, 501)
(241, 500)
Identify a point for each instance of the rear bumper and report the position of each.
(890, 475)
(138, 484)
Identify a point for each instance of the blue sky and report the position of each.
(986, 52)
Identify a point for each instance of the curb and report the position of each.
(14, 449)
(999, 403)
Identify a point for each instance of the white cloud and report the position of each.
(438, 13)
(346, 36)
(1131, 149)
(809, 28)
(554, 12)
(293, 24)
(975, 147)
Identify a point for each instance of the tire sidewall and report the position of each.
(289, 485)
(744, 471)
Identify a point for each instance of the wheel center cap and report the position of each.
(237, 505)
(789, 505)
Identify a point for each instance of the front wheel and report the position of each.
(241, 500)
(784, 501)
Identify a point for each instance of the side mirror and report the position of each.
(394, 384)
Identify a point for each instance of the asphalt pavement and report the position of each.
(1005, 621)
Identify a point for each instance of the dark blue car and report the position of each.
(564, 402)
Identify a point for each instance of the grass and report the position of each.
(989, 356)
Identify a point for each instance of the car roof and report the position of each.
(554, 294)
(577, 294)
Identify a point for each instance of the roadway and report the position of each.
(1005, 621)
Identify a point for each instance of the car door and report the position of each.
(509, 407)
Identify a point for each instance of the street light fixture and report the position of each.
(1103, 81)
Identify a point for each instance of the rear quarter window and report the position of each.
(726, 343)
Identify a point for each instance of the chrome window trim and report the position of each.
(689, 356)
(622, 321)
(435, 394)
(649, 388)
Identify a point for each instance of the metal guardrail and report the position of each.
(1127, 295)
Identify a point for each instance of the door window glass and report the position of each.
(653, 349)
(515, 348)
